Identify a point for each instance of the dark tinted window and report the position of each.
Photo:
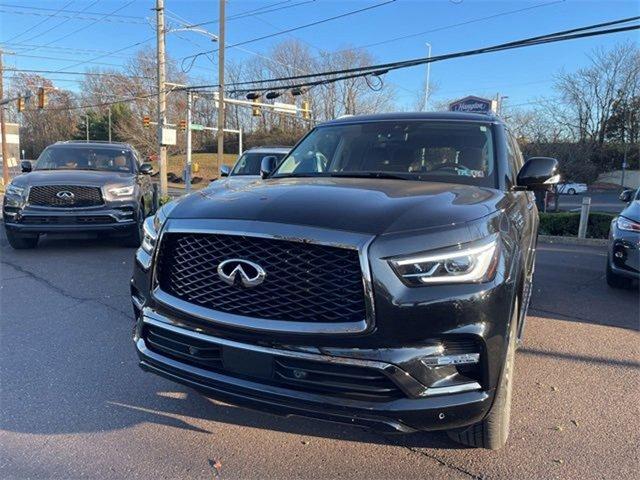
(456, 152)
(85, 158)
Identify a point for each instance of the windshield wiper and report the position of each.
(378, 174)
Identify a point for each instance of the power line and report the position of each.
(256, 11)
(57, 25)
(109, 53)
(64, 9)
(74, 50)
(562, 35)
(460, 24)
(289, 30)
(106, 15)
(89, 74)
(38, 24)
(65, 59)
(70, 16)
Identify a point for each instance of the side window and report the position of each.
(511, 158)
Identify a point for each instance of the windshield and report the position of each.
(249, 163)
(75, 158)
(455, 152)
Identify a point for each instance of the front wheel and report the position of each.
(614, 280)
(571, 191)
(135, 237)
(492, 432)
(22, 241)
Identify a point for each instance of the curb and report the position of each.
(592, 242)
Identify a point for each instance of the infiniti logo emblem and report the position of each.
(65, 194)
(248, 273)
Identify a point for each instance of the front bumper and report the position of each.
(114, 217)
(624, 254)
(420, 408)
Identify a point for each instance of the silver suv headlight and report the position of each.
(468, 263)
(121, 191)
(15, 190)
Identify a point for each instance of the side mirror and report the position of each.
(225, 171)
(146, 169)
(268, 165)
(538, 173)
(626, 196)
(25, 166)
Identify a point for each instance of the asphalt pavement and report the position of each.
(607, 202)
(74, 404)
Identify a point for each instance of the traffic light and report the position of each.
(42, 97)
(183, 125)
(306, 112)
(20, 104)
(146, 121)
(256, 111)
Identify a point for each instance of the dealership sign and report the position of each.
(473, 104)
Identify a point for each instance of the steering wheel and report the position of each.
(451, 166)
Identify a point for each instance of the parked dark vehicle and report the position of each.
(623, 256)
(79, 187)
(379, 276)
(247, 166)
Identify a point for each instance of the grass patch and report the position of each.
(206, 162)
(565, 224)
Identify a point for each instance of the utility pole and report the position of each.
(162, 99)
(221, 87)
(426, 90)
(3, 126)
(109, 124)
(187, 168)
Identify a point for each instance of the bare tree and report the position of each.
(588, 96)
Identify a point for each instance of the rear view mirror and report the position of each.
(225, 171)
(626, 196)
(268, 165)
(146, 168)
(25, 166)
(538, 173)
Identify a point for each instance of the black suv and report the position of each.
(79, 186)
(379, 275)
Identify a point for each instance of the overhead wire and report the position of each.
(23, 32)
(194, 57)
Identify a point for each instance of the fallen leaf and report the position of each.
(559, 461)
(215, 466)
(559, 428)
(304, 442)
(555, 389)
(575, 422)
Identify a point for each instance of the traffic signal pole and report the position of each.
(162, 98)
(5, 150)
(187, 168)
(221, 87)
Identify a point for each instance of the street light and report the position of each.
(426, 90)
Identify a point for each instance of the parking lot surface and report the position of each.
(600, 202)
(73, 402)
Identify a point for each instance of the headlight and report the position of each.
(125, 191)
(150, 235)
(152, 226)
(470, 263)
(14, 190)
(628, 225)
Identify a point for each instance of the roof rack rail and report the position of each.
(107, 142)
(272, 146)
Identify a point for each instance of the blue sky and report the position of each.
(523, 75)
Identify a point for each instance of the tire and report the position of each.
(571, 191)
(492, 432)
(21, 241)
(134, 239)
(614, 280)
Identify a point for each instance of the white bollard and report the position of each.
(584, 217)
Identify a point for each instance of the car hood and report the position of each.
(372, 206)
(632, 212)
(71, 177)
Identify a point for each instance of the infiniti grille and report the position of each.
(304, 282)
(80, 196)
